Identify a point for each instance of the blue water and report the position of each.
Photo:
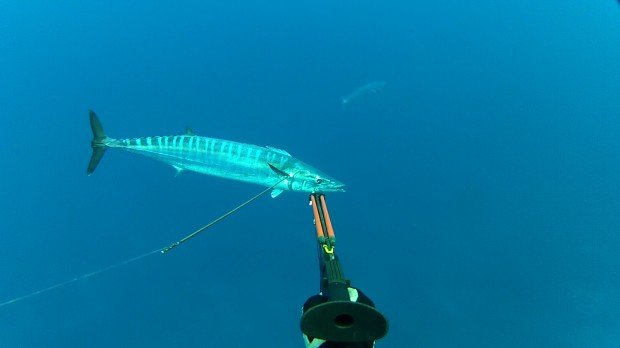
(483, 180)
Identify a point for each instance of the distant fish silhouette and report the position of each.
(369, 88)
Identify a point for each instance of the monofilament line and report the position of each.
(136, 258)
(83, 276)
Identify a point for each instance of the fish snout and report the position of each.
(338, 187)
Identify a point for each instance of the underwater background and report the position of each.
(483, 180)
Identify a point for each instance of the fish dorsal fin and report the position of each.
(276, 192)
(275, 149)
(189, 131)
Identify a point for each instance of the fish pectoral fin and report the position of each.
(276, 192)
(284, 152)
(280, 172)
(178, 169)
(189, 131)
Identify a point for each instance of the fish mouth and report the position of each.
(339, 188)
(331, 188)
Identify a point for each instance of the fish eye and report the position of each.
(319, 180)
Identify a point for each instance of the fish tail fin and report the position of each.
(99, 142)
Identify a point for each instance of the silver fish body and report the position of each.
(221, 158)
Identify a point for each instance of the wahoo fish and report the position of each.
(371, 87)
(260, 165)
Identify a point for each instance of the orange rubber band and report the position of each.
(317, 219)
